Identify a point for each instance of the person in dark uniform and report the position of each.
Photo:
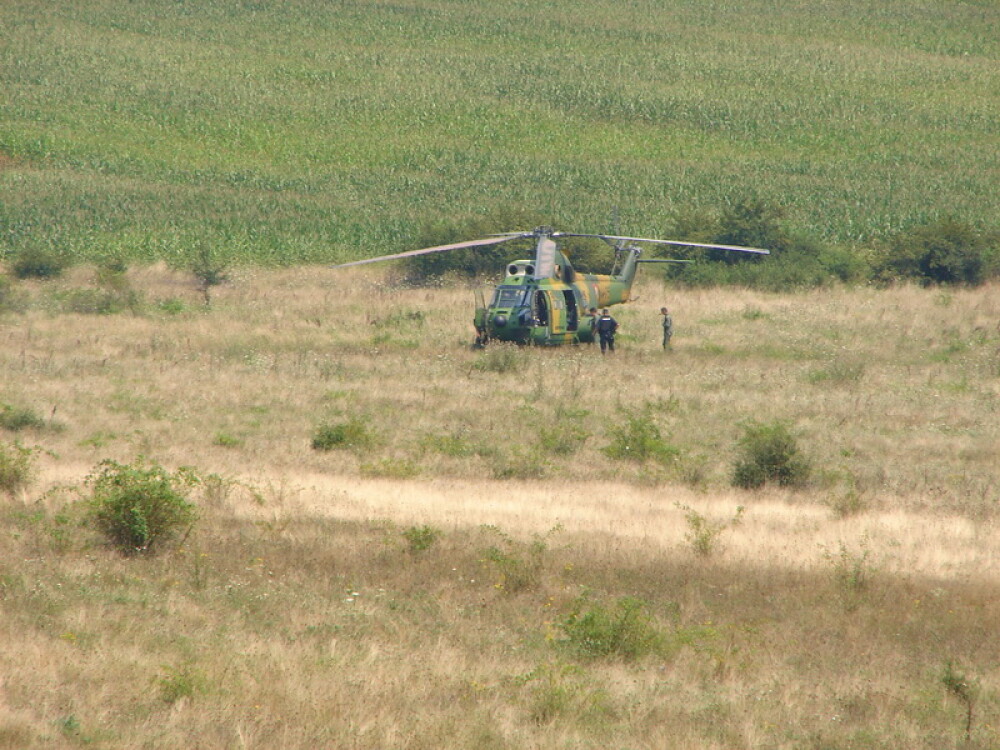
(606, 328)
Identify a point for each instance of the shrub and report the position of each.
(518, 564)
(964, 690)
(520, 463)
(352, 434)
(16, 470)
(941, 252)
(141, 506)
(37, 263)
(421, 538)
(769, 453)
(209, 266)
(627, 630)
(15, 418)
(556, 690)
(795, 261)
(181, 682)
(703, 534)
(562, 439)
(226, 440)
(171, 306)
(639, 439)
(100, 301)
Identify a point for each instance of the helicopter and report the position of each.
(545, 301)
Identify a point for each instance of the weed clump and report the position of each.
(502, 358)
(16, 470)
(352, 434)
(769, 453)
(140, 506)
(964, 690)
(421, 538)
(703, 534)
(627, 630)
(639, 440)
(518, 565)
(390, 468)
(17, 418)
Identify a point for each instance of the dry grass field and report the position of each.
(479, 569)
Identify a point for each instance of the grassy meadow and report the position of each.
(478, 567)
(305, 131)
(407, 543)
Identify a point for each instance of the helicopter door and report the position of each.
(572, 315)
(557, 313)
(541, 308)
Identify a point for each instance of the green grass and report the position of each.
(295, 131)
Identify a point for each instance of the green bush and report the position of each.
(100, 301)
(628, 630)
(352, 434)
(421, 538)
(769, 453)
(795, 262)
(562, 438)
(703, 534)
(941, 252)
(519, 565)
(639, 440)
(16, 418)
(16, 470)
(37, 263)
(140, 506)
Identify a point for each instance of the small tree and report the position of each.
(769, 453)
(140, 506)
(210, 268)
(941, 252)
(964, 690)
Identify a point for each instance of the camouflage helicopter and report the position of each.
(545, 301)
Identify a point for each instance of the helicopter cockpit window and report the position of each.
(507, 297)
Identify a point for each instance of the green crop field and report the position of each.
(312, 131)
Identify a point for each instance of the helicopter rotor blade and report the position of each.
(437, 249)
(681, 243)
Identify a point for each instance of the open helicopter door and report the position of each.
(572, 311)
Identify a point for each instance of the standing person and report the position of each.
(668, 328)
(592, 314)
(606, 328)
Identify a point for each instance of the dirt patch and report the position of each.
(6, 162)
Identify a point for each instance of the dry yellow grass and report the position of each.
(295, 615)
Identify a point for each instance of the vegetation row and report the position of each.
(286, 133)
